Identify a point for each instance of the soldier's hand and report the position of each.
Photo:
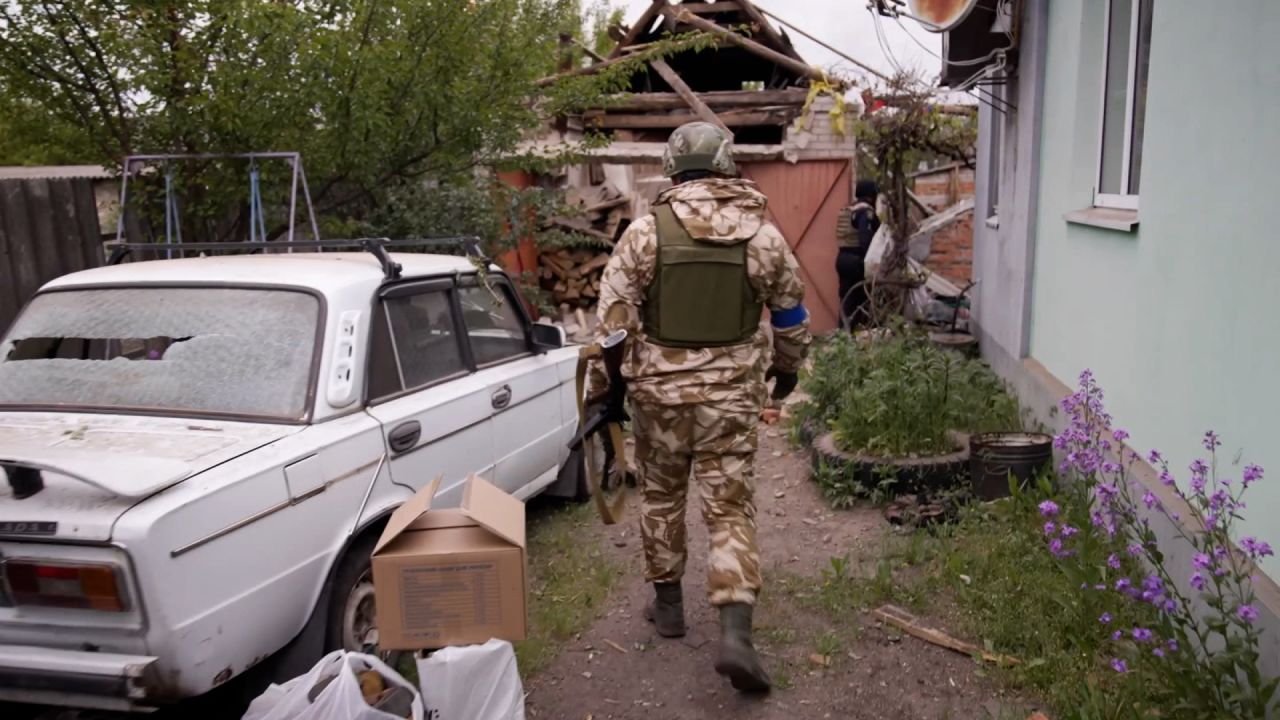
(783, 382)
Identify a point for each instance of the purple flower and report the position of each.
(1152, 582)
(1197, 581)
(1255, 548)
(1050, 528)
(1158, 652)
(1211, 441)
(1219, 553)
(1105, 618)
(1252, 474)
(1166, 478)
(1149, 499)
(1048, 508)
(1067, 531)
(1100, 586)
(1117, 635)
(1055, 547)
(1170, 606)
(1141, 634)
(1120, 435)
(1202, 561)
(1123, 583)
(1198, 467)
(1113, 561)
(1197, 484)
(1218, 499)
(1155, 457)
(1134, 550)
(1173, 645)
(1247, 613)
(1119, 665)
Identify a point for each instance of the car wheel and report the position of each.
(353, 611)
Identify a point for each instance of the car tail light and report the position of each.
(67, 585)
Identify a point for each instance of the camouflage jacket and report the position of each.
(717, 211)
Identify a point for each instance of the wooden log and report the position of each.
(707, 8)
(596, 263)
(606, 205)
(730, 118)
(799, 68)
(641, 102)
(686, 93)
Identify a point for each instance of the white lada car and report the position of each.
(200, 453)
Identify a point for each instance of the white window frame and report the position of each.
(1120, 201)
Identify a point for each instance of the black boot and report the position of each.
(666, 612)
(738, 658)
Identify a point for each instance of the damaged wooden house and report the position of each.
(790, 134)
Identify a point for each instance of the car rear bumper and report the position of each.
(75, 678)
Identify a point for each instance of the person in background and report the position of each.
(854, 240)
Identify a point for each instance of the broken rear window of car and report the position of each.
(186, 351)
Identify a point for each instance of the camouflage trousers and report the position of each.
(718, 449)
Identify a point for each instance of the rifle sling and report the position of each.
(610, 511)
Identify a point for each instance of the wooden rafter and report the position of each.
(768, 29)
(747, 44)
(642, 102)
(640, 26)
(683, 90)
(729, 118)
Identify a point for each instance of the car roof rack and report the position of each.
(470, 245)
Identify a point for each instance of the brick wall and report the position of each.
(942, 189)
(819, 140)
(951, 254)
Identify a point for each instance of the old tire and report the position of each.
(918, 474)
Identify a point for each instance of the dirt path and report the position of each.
(873, 673)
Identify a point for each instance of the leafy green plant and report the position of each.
(900, 396)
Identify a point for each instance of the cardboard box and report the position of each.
(451, 577)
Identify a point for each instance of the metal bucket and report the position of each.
(993, 456)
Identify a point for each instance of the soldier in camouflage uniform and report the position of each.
(690, 283)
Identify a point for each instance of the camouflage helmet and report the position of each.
(698, 146)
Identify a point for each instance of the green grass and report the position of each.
(1002, 590)
(570, 577)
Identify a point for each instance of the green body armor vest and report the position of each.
(700, 295)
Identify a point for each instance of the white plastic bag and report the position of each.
(476, 682)
(340, 700)
(879, 248)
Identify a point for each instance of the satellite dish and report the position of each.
(940, 15)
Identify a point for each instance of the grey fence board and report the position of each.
(48, 228)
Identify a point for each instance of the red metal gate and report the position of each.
(804, 203)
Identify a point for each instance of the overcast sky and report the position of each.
(848, 26)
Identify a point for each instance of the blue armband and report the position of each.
(791, 317)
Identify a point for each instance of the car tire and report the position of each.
(351, 597)
(351, 623)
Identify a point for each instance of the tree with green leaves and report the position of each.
(373, 93)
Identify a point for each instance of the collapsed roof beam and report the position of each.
(640, 102)
(774, 116)
(641, 25)
(686, 93)
(750, 45)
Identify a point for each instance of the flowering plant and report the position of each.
(1204, 647)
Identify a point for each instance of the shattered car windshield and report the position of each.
(191, 351)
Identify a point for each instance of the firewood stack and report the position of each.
(572, 275)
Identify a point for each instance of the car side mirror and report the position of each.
(547, 337)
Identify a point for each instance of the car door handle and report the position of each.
(404, 437)
(502, 397)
